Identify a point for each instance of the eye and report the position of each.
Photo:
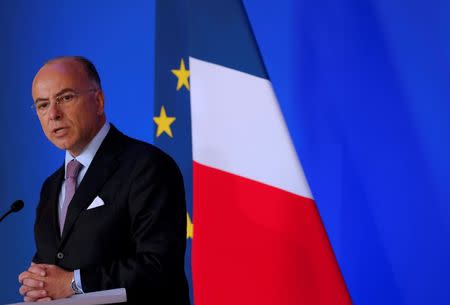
(42, 106)
(65, 98)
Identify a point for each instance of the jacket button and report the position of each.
(60, 255)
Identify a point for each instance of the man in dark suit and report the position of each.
(114, 214)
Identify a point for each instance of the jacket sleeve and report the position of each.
(157, 211)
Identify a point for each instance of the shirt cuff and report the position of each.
(77, 277)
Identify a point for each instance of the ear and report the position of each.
(100, 102)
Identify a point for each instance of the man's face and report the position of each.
(73, 125)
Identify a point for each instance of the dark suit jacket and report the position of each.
(137, 239)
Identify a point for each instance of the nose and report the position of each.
(54, 112)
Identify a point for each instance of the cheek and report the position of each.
(81, 123)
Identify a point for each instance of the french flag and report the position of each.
(259, 238)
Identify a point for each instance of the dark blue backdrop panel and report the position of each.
(119, 38)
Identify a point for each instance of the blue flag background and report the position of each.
(363, 86)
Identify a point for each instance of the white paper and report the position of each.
(118, 295)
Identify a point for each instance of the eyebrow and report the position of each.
(65, 90)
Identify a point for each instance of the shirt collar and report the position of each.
(87, 155)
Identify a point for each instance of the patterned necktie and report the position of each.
(72, 171)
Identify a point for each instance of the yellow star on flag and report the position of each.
(190, 227)
(163, 122)
(182, 74)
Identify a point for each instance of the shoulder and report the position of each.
(143, 155)
(146, 150)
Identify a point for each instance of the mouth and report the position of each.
(59, 131)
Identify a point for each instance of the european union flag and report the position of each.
(171, 104)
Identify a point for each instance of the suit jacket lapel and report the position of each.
(53, 200)
(103, 165)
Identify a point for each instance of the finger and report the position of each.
(28, 299)
(46, 299)
(24, 289)
(36, 294)
(33, 283)
(23, 275)
(44, 265)
(35, 269)
(28, 275)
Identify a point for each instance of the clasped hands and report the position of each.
(44, 282)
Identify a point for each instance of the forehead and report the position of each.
(59, 75)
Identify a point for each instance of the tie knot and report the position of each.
(73, 169)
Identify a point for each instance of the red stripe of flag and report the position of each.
(256, 244)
